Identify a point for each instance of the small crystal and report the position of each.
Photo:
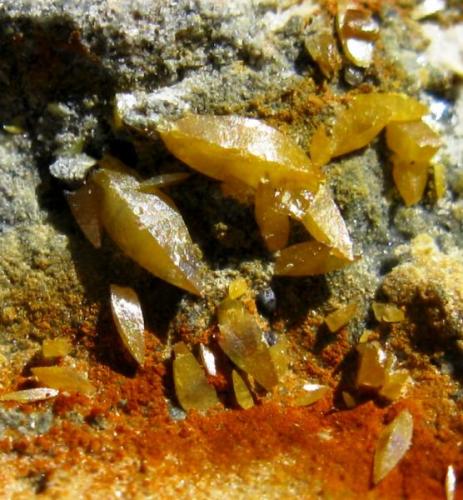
(64, 379)
(310, 394)
(394, 441)
(341, 317)
(54, 348)
(128, 318)
(191, 386)
(242, 394)
(30, 395)
(388, 313)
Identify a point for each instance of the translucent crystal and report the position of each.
(191, 386)
(242, 394)
(128, 318)
(339, 318)
(394, 441)
(147, 227)
(30, 395)
(246, 149)
(241, 338)
(63, 378)
(53, 348)
(308, 259)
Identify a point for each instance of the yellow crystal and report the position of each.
(54, 348)
(395, 384)
(242, 393)
(366, 116)
(147, 227)
(237, 288)
(191, 386)
(309, 394)
(64, 379)
(273, 225)
(371, 373)
(85, 207)
(440, 184)
(242, 341)
(246, 149)
(389, 313)
(339, 318)
(308, 259)
(128, 318)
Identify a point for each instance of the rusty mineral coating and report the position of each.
(416, 476)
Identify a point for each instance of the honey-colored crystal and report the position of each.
(64, 379)
(321, 147)
(412, 141)
(242, 393)
(273, 224)
(128, 318)
(191, 386)
(410, 180)
(237, 288)
(371, 373)
(413, 144)
(395, 384)
(147, 227)
(393, 442)
(54, 348)
(246, 149)
(323, 50)
(241, 338)
(308, 259)
(440, 183)
(309, 394)
(163, 180)
(320, 216)
(341, 317)
(367, 115)
(30, 395)
(388, 313)
(280, 356)
(85, 207)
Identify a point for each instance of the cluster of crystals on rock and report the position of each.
(283, 181)
(128, 318)
(412, 142)
(393, 442)
(192, 389)
(376, 372)
(242, 340)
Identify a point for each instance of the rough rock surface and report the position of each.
(81, 78)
